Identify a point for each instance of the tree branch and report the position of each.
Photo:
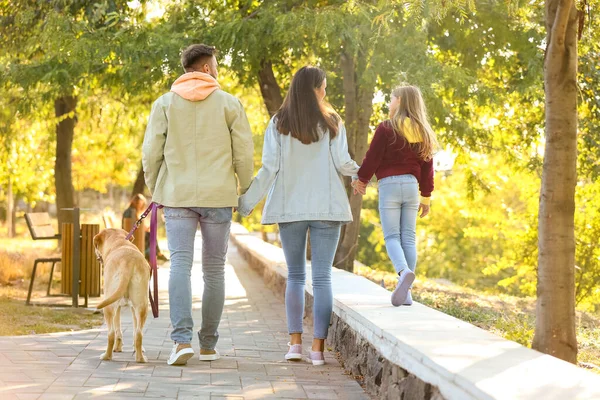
(561, 21)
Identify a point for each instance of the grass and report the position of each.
(16, 259)
(18, 319)
(510, 317)
(16, 263)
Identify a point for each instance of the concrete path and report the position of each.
(252, 342)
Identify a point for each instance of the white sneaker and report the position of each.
(180, 357)
(294, 353)
(316, 357)
(405, 281)
(210, 357)
(408, 301)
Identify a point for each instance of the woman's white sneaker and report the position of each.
(294, 353)
(316, 357)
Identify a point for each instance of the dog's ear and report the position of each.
(99, 240)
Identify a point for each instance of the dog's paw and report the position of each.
(106, 357)
(118, 348)
(141, 359)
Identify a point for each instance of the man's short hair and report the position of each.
(197, 53)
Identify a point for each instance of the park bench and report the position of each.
(40, 228)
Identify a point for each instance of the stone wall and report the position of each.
(381, 378)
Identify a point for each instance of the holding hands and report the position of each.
(359, 187)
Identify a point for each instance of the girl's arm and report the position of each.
(374, 155)
(267, 173)
(426, 181)
(344, 164)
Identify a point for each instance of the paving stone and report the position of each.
(169, 371)
(193, 397)
(28, 396)
(101, 382)
(162, 390)
(253, 341)
(225, 379)
(56, 396)
(128, 385)
(291, 389)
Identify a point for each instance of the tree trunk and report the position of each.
(13, 217)
(555, 313)
(358, 97)
(140, 183)
(64, 108)
(269, 88)
(10, 210)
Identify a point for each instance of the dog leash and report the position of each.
(154, 207)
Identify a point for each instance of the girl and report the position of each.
(401, 156)
(304, 153)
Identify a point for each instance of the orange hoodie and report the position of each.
(195, 86)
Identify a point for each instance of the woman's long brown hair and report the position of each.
(301, 113)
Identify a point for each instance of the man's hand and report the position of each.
(359, 187)
(424, 209)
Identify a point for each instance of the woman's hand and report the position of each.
(424, 209)
(359, 187)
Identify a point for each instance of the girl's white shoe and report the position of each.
(405, 281)
(408, 301)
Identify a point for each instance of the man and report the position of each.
(197, 140)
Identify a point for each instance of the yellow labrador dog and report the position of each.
(126, 276)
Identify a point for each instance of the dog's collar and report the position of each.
(99, 258)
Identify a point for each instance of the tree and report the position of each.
(555, 322)
(57, 50)
(140, 183)
(65, 107)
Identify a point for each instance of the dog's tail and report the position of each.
(118, 294)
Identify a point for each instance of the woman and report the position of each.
(304, 153)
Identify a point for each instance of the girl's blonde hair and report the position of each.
(411, 113)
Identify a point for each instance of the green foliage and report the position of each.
(106, 147)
